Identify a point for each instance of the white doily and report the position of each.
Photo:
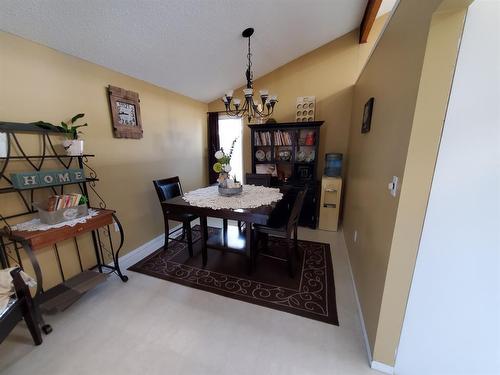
(251, 197)
(36, 224)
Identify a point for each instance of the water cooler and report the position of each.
(331, 190)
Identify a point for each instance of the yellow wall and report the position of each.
(38, 83)
(328, 73)
(434, 89)
(409, 75)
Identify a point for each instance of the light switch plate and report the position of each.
(393, 186)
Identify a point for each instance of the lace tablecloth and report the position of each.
(36, 224)
(251, 197)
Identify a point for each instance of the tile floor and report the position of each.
(151, 326)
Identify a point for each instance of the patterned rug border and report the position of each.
(330, 317)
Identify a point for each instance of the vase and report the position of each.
(3, 145)
(73, 147)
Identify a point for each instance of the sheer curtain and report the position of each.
(231, 128)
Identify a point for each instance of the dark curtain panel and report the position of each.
(213, 145)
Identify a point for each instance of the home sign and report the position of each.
(31, 180)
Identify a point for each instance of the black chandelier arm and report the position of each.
(249, 107)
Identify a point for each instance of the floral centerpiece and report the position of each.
(223, 166)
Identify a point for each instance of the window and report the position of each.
(229, 129)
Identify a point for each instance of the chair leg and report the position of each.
(292, 254)
(291, 262)
(34, 328)
(265, 242)
(189, 239)
(167, 233)
(184, 226)
(295, 243)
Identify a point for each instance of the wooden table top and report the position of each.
(258, 215)
(40, 239)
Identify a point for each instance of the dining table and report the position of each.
(230, 238)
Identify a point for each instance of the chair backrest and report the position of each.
(258, 179)
(168, 188)
(293, 219)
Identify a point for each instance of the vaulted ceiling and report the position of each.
(193, 47)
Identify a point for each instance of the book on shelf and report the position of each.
(282, 138)
(58, 202)
(263, 139)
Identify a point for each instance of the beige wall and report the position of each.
(38, 83)
(409, 75)
(328, 73)
(434, 89)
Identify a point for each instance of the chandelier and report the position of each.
(250, 108)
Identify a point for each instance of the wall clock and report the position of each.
(125, 113)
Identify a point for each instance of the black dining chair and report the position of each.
(20, 307)
(283, 223)
(169, 188)
(258, 179)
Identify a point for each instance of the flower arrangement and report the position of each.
(223, 164)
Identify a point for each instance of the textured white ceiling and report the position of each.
(193, 47)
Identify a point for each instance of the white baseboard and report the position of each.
(382, 367)
(379, 366)
(360, 312)
(144, 250)
(141, 252)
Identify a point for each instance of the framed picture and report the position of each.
(367, 116)
(125, 113)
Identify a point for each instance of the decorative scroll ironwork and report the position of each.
(10, 250)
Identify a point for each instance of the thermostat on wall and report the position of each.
(305, 108)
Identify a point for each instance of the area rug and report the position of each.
(310, 294)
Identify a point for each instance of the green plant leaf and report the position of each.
(79, 126)
(76, 117)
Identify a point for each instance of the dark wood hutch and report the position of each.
(290, 151)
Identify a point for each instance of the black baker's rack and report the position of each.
(106, 252)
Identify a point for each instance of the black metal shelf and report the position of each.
(21, 157)
(106, 248)
(12, 189)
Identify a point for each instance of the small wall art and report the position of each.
(305, 108)
(367, 116)
(125, 113)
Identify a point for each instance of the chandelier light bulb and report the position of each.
(229, 93)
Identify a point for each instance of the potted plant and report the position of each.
(72, 145)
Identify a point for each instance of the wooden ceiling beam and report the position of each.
(371, 11)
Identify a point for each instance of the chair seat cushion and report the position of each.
(182, 217)
(6, 307)
(274, 231)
